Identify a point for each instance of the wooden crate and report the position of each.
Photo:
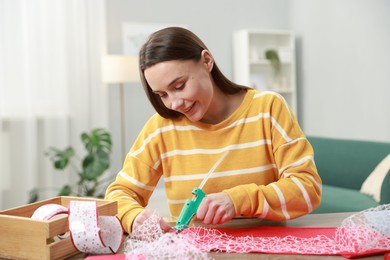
(24, 238)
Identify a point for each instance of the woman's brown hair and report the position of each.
(176, 43)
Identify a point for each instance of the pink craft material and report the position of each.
(275, 240)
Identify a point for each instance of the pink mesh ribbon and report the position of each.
(89, 232)
(279, 240)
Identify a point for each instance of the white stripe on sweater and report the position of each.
(215, 151)
(256, 118)
(274, 94)
(135, 182)
(296, 163)
(293, 141)
(286, 175)
(304, 193)
(281, 199)
(162, 130)
(314, 181)
(248, 120)
(191, 177)
(265, 209)
(281, 130)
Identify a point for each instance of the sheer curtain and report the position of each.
(50, 88)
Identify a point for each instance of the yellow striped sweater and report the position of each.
(269, 172)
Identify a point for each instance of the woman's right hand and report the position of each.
(144, 215)
(216, 208)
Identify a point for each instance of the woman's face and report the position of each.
(184, 86)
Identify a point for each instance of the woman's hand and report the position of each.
(144, 215)
(216, 208)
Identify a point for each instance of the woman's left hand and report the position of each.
(216, 208)
(144, 215)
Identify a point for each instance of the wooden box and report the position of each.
(24, 238)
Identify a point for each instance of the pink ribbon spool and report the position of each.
(46, 212)
(89, 232)
(93, 234)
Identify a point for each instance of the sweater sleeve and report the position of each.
(135, 183)
(297, 190)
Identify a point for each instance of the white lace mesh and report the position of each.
(362, 232)
(149, 241)
(366, 230)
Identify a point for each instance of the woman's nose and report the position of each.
(177, 103)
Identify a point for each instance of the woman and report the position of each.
(269, 171)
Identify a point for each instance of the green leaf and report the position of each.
(273, 57)
(65, 191)
(98, 139)
(94, 166)
(33, 196)
(60, 158)
(90, 193)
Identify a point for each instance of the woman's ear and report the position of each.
(207, 60)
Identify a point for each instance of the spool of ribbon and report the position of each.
(89, 232)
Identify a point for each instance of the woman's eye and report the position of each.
(180, 87)
(161, 94)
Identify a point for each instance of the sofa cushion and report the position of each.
(385, 191)
(372, 186)
(336, 199)
(346, 163)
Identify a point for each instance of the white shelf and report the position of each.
(252, 69)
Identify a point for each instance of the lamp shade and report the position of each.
(120, 69)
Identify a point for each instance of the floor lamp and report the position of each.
(120, 69)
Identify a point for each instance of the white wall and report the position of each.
(344, 67)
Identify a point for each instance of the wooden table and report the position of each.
(311, 220)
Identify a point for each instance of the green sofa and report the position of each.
(343, 166)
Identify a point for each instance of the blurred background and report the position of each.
(52, 86)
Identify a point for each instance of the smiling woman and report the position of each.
(44, 99)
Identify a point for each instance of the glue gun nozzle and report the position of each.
(178, 230)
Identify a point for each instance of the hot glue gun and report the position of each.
(189, 209)
(191, 206)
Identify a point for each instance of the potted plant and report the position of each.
(91, 167)
(273, 57)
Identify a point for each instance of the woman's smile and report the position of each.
(188, 110)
